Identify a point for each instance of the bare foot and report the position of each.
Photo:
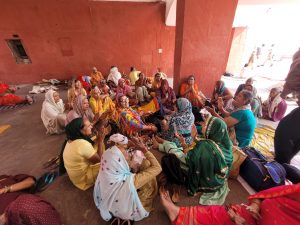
(171, 209)
(29, 99)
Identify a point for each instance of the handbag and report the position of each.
(238, 158)
(261, 173)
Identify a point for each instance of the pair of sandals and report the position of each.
(118, 221)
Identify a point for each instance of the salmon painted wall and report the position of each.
(65, 38)
(202, 42)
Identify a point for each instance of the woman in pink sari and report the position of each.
(279, 205)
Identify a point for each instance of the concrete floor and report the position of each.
(25, 147)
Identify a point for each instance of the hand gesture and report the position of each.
(220, 103)
(210, 110)
(138, 143)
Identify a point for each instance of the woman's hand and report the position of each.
(210, 110)
(137, 143)
(254, 208)
(220, 103)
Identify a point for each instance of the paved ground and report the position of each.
(25, 147)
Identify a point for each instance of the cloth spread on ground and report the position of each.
(263, 140)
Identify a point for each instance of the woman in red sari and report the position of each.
(8, 98)
(279, 205)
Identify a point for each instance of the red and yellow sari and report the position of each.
(280, 206)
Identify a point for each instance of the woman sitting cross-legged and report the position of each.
(278, 205)
(81, 108)
(166, 98)
(274, 107)
(19, 207)
(181, 122)
(208, 162)
(100, 103)
(221, 91)
(52, 113)
(75, 90)
(190, 90)
(241, 119)
(120, 192)
(81, 160)
(129, 120)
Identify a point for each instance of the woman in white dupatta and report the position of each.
(274, 107)
(52, 114)
(115, 192)
(113, 77)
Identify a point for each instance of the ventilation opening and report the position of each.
(18, 51)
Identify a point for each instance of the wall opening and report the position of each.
(18, 51)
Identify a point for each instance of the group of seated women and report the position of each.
(109, 136)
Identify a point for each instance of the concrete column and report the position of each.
(203, 30)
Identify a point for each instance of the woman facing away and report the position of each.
(278, 205)
(19, 207)
(119, 191)
(274, 107)
(241, 119)
(181, 122)
(208, 162)
(113, 77)
(52, 113)
(81, 159)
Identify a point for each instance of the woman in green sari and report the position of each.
(210, 162)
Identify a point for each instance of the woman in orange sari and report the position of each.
(279, 205)
(190, 90)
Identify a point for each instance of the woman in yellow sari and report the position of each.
(100, 103)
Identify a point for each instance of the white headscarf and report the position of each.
(118, 139)
(114, 75)
(272, 104)
(50, 110)
(114, 191)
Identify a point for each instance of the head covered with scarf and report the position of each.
(78, 110)
(114, 192)
(210, 162)
(182, 121)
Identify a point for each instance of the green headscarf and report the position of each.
(211, 159)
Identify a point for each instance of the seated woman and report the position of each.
(81, 108)
(256, 105)
(155, 84)
(113, 77)
(96, 76)
(182, 122)
(133, 75)
(85, 83)
(100, 103)
(241, 87)
(8, 98)
(190, 90)
(124, 89)
(52, 114)
(133, 193)
(166, 98)
(81, 160)
(75, 90)
(208, 162)
(129, 120)
(220, 91)
(18, 207)
(141, 89)
(274, 107)
(278, 205)
(242, 118)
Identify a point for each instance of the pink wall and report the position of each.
(202, 42)
(68, 37)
